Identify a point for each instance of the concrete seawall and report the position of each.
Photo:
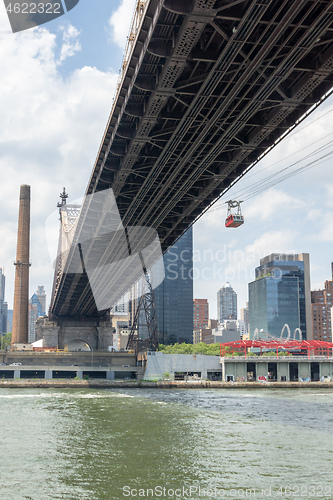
(204, 384)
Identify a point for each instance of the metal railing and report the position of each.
(138, 15)
(274, 358)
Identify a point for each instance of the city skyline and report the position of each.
(62, 71)
(213, 315)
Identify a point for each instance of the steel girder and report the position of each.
(208, 87)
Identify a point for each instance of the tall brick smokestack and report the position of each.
(21, 290)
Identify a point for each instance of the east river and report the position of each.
(153, 443)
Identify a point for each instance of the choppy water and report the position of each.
(112, 444)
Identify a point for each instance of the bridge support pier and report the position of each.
(50, 336)
(74, 334)
(110, 375)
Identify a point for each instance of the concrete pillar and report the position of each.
(17, 373)
(283, 371)
(110, 375)
(21, 289)
(240, 370)
(230, 370)
(79, 373)
(262, 369)
(304, 370)
(325, 369)
(48, 374)
(223, 368)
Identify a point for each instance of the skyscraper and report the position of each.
(281, 294)
(41, 295)
(35, 310)
(9, 320)
(244, 316)
(226, 303)
(122, 305)
(32, 318)
(321, 304)
(174, 296)
(3, 304)
(2, 285)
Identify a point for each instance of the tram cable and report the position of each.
(272, 180)
(253, 174)
(253, 190)
(298, 171)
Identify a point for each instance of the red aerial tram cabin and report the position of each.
(234, 220)
(237, 219)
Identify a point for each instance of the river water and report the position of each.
(151, 443)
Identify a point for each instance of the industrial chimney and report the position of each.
(21, 290)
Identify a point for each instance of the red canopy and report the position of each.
(279, 343)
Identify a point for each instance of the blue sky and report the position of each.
(294, 216)
(56, 92)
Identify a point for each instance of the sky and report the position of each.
(56, 90)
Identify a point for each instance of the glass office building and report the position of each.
(174, 296)
(281, 294)
(172, 283)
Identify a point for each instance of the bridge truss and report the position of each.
(207, 87)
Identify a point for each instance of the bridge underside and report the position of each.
(209, 86)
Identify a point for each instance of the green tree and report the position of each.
(200, 348)
(213, 349)
(184, 348)
(6, 340)
(284, 353)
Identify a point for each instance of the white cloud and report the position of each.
(325, 234)
(216, 215)
(51, 127)
(328, 196)
(273, 242)
(314, 214)
(70, 42)
(272, 203)
(120, 22)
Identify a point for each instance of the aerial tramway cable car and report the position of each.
(234, 219)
